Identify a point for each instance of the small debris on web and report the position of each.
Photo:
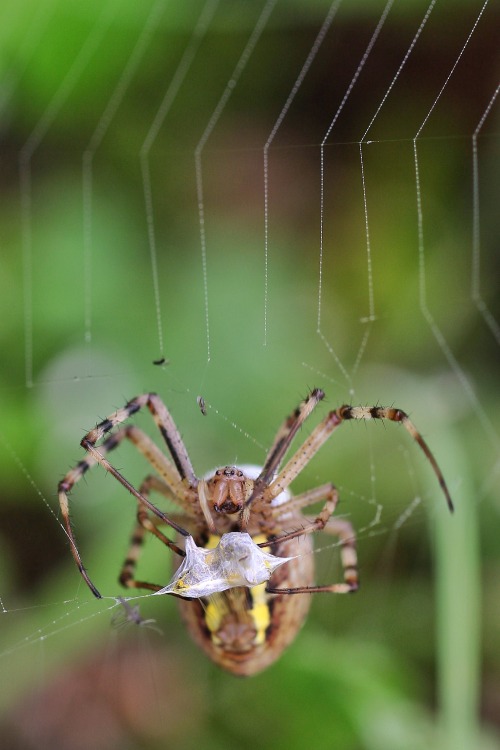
(161, 361)
(128, 614)
(235, 561)
(201, 403)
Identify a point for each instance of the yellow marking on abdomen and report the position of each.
(212, 542)
(259, 611)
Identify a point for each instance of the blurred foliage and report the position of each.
(80, 320)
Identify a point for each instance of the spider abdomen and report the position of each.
(244, 630)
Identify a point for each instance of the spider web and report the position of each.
(259, 199)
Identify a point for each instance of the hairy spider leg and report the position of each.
(338, 527)
(283, 439)
(146, 523)
(330, 423)
(174, 473)
(322, 522)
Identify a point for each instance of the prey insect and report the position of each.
(246, 625)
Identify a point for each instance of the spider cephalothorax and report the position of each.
(229, 489)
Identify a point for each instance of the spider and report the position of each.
(243, 629)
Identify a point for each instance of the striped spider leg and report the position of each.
(146, 522)
(264, 495)
(178, 475)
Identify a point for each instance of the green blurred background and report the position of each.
(92, 95)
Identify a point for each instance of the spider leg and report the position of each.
(325, 428)
(280, 446)
(165, 424)
(148, 523)
(326, 492)
(284, 511)
(338, 527)
(170, 434)
(65, 486)
(342, 529)
(126, 577)
(284, 437)
(176, 474)
(204, 504)
(178, 491)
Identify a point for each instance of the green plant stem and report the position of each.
(458, 590)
